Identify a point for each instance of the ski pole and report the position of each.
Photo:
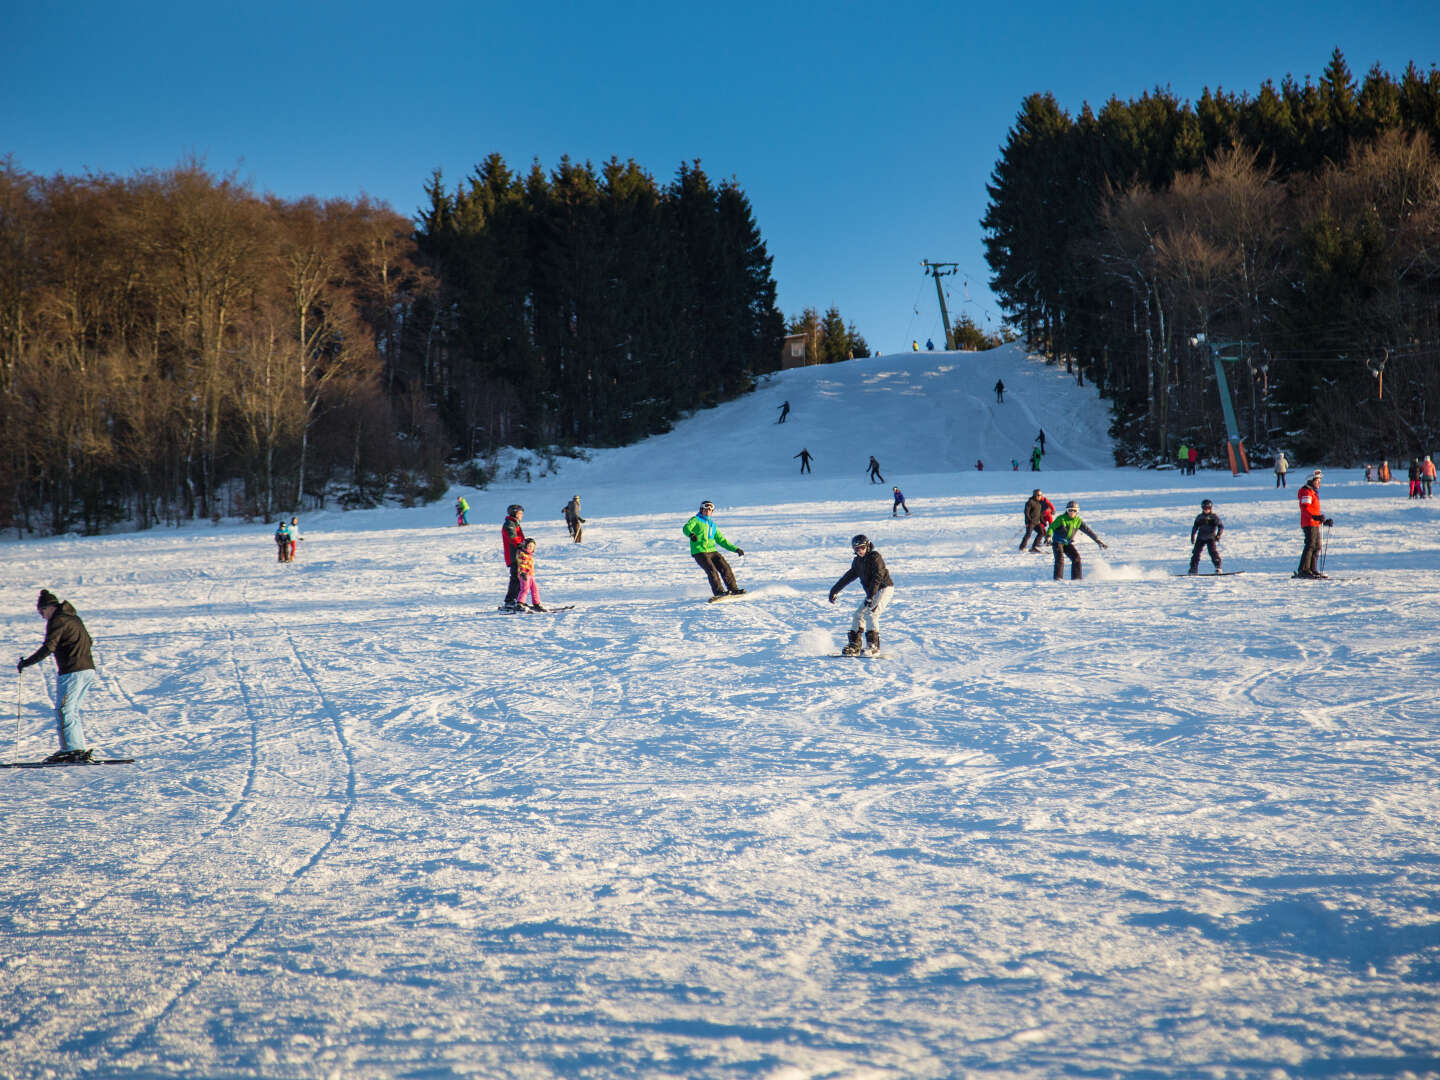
(1324, 548)
(19, 686)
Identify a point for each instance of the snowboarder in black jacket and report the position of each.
(869, 567)
(1203, 534)
(69, 642)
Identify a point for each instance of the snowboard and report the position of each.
(726, 596)
(64, 764)
(1217, 573)
(862, 656)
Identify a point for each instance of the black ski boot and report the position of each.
(852, 648)
(872, 642)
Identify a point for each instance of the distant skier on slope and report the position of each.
(875, 477)
(1035, 456)
(573, 521)
(295, 538)
(999, 392)
(1062, 540)
(282, 541)
(69, 641)
(704, 537)
(462, 510)
(870, 568)
(805, 458)
(1204, 534)
(899, 503)
(784, 411)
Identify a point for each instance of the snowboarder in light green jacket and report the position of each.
(704, 537)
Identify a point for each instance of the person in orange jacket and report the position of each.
(1311, 518)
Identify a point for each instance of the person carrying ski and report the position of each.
(512, 536)
(784, 411)
(805, 458)
(875, 477)
(1311, 518)
(1204, 534)
(528, 598)
(1039, 512)
(899, 503)
(69, 641)
(282, 541)
(1062, 540)
(875, 579)
(462, 511)
(573, 521)
(999, 392)
(704, 538)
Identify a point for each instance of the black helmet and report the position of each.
(1206, 504)
(859, 540)
(514, 508)
(1035, 494)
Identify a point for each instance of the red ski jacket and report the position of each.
(1309, 506)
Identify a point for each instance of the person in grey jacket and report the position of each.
(869, 568)
(68, 640)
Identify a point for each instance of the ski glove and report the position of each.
(832, 596)
(1329, 522)
(20, 663)
(740, 552)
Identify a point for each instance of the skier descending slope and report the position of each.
(704, 537)
(1062, 540)
(870, 568)
(1205, 533)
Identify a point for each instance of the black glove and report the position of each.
(1329, 522)
(20, 664)
(1103, 546)
(740, 552)
(832, 596)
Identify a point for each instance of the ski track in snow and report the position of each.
(1133, 826)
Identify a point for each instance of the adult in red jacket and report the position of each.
(1311, 518)
(511, 537)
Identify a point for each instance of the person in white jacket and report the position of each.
(1281, 468)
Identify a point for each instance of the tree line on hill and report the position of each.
(174, 346)
(1297, 230)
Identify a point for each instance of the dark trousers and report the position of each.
(804, 465)
(722, 578)
(875, 477)
(1062, 551)
(513, 589)
(1279, 479)
(1202, 545)
(1039, 531)
(1312, 548)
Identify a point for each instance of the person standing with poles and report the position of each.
(512, 537)
(69, 641)
(805, 458)
(1311, 519)
(573, 521)
(784, 411)
(1205, 534)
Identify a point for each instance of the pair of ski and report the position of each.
(503, 610)
(65, 764)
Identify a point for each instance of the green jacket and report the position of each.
(1065, 527)
(704, 536)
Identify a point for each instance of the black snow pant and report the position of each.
(722, 578)
(1312, 550)
(1201, 545)
(1038, 530)
(1062, 550)
(513, 590)
(1279, 479)
(875, 477)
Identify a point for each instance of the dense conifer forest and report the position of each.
(1298, 227)
(174, 346)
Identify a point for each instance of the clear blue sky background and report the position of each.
(864, 134)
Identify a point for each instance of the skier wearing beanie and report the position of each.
(1311, 518)
(67, 638)
(1062, 540)
(869, 567)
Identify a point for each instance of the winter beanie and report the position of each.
(46, 599)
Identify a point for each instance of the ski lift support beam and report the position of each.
(937, 271)
(1235, 445)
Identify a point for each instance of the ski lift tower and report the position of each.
(1235, 445)
(937, 271)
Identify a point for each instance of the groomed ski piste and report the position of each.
(1132, 826)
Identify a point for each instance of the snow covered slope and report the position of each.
(1136, 825)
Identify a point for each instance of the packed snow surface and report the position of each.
(1137, 825)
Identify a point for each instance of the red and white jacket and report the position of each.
(1309, 506)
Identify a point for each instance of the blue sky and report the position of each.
(863, 134)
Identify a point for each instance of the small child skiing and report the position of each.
(869, 567)
(1204, 534)
(282, 541)
(1062, 540)
(528, 599)
(899, 503)
(462, 510)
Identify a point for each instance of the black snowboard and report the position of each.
(65, 764)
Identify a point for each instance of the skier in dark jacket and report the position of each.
(870, 569)
(1204, 534)
(805, 458)
(573, 521)
(784, 408)
(1062, 540)
(1039, 511)
(511, 537)
(875, 477)
(69, 641)
(999, 392)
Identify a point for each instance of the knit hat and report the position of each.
(47, 599)
(1316, 475)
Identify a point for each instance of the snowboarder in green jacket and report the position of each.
(1062, 540)
(704, 537)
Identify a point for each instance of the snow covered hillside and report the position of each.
(1134, 826)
